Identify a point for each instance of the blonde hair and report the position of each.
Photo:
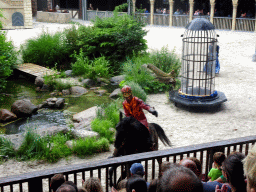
(250, 167)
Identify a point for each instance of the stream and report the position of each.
(19, 88)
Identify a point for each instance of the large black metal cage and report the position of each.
(198, 59)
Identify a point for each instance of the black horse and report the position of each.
(133, 137)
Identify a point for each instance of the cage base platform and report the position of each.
(175, 97)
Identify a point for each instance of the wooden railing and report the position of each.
(39, 180)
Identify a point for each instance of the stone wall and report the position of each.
(53, 17)
(13, 8)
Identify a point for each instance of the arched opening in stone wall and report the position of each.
(17, 19)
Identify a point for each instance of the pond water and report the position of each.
(24, 89)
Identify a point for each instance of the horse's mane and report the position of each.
(133, 133)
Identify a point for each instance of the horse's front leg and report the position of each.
(160, 161)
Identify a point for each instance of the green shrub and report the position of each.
(103, 128)
(122, 8)
(32, 147)
(7, 148)
(8, 59)
(47, 50)
(115, 38)
(166, 60)
(89, 146)
(82, 64)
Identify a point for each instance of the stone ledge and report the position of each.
(53, 17)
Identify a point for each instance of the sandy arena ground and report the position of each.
(236, 117)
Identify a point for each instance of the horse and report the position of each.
(133, 137)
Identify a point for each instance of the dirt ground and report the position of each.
(235, 118)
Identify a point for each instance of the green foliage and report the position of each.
(54, 82)
(32, 147)
(7, 148)
(122, 8)
(8, 58)
(163, 59)
(47, 50)
(110, 111)
(166, 60)
(90, 146)
(112, 37)
(103, 128)
(91, 69)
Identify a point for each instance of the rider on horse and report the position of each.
(133, 107)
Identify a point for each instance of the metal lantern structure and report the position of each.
(198, 66)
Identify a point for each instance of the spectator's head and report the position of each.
(72, 184)
(136, 184)
(56, 181)
(233, 171)
(81, 189)
(218, 159)
(165, 166)
(121, 184)
(66, 188)
(179, 179)
(93, 185)
(153, 185)
(137, 169)
(250, 169)
(198, 165)
(189, 164)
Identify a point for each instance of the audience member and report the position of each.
(66, 188)
(136, 184)
(71, 183)
(189, 164)
(145, 10)
(56, 181)
(164, 166)
(250, 169)
(198, 166)
(93, 185)
(233, 171)
(179, 179)
(137, 169)
(216, 171)
(177, 12)
(81, 189)
(122, 184)
(90, 7)
(153, 185)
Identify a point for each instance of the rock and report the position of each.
(68, 73)
(78, 90)
(115, 94)
(60, 103)
(39, 82)
(40, 106)
(70, 143)
(38, 89)
(100, 92)
(65, 92)
(45, 88)
(86, 115)
(17, 139)
(82, 133)
(88, 82)
(117, 79)
(6, 115)
(23, 108)
(84, 124)
(52, 94)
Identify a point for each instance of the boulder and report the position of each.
(23, 108)
(60, 103)
(68, 73)
(82, 133)
(17, 139)
(116, 80)
(115, 94)
(87, 115)
(76, 90)
(88, 82)
(45, 88)
(6, 115)
(100, 92)
(66, 92)
(84, 124)
(39, 82)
